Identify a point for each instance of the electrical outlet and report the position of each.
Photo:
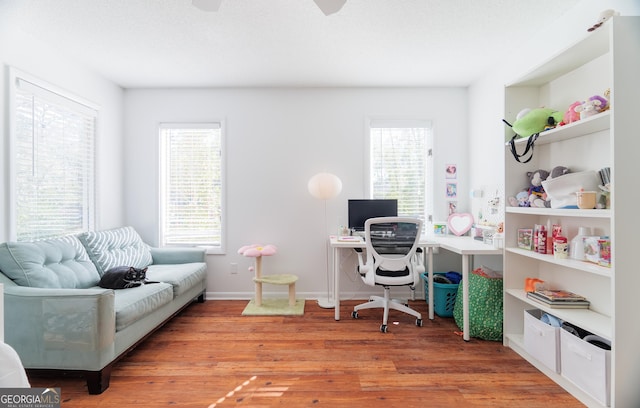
(233, 269)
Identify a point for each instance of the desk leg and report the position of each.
(336, 284)
(465, 297)
(430, 281)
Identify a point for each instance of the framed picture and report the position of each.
(452, 190)
(440, 228)
(525, 238)
(453, 206)
(451, 171)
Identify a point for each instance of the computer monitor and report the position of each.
(361, 210)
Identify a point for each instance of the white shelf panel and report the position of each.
(560, 212)
(589, 48)
(567, 263)
(592, 124)
(587, 319)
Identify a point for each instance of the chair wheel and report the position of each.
(419, 322)
(354, 314)
(383, 328)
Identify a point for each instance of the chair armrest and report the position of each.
(177, 255)
(48, 325)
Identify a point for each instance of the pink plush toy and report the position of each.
(571, 115)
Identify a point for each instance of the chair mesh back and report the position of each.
(393, 238)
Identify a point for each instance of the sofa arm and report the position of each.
(61, 328)
(177, 255)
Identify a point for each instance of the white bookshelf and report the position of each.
(609, 57)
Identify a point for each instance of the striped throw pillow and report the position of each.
(116, 247)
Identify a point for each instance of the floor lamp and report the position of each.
(325, 186)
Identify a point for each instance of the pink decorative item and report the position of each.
(257, 250)
(460, 223)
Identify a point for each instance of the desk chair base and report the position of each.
(386, 303)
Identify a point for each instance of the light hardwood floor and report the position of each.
(212, 356)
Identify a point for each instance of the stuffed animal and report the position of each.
(589, 108)
(557, 172)
(571, 115)
(607, 97)
(604, 16)
(604, 103)
(521, 200)
(531, 121)
(537, 196)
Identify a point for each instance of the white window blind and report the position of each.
(53, 162)
(400, 165)
(192, 185)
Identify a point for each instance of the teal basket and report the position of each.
(444, 295)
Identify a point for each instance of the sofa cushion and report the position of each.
(133, 304)
(51, 263)
(116, 247)
(181, 276)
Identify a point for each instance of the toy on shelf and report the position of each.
(590, 107)
(584, 109)
(531, 121)
(571, 115)
(604, 16)
(535, 195)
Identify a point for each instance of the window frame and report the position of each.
(14, 76)
(217, 124)
(376, 122)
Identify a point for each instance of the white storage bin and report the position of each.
(586, 365)
(561, 191)
(542, 340)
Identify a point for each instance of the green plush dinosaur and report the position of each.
(531, 121)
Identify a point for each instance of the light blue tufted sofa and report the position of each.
(58, 319)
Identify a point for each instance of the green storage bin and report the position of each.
(444, 295)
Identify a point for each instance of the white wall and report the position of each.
(276, 140)
(49, 64)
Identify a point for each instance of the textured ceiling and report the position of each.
(170, 43)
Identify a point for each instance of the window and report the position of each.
(192, 187)
(400, 165)
(52, 158)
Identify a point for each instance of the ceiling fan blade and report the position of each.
(330, 6)
(207, 5)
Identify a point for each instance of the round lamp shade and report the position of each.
(324, 186)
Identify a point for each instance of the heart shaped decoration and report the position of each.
(460, 223)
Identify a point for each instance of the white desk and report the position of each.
(464, 246)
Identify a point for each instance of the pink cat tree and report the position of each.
(258, 251)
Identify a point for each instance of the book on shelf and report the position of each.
(558, 295)
(559, 304)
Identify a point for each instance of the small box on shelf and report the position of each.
(525, 238)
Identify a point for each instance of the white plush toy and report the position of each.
(588, 108)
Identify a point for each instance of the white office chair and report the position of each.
(391, 260)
